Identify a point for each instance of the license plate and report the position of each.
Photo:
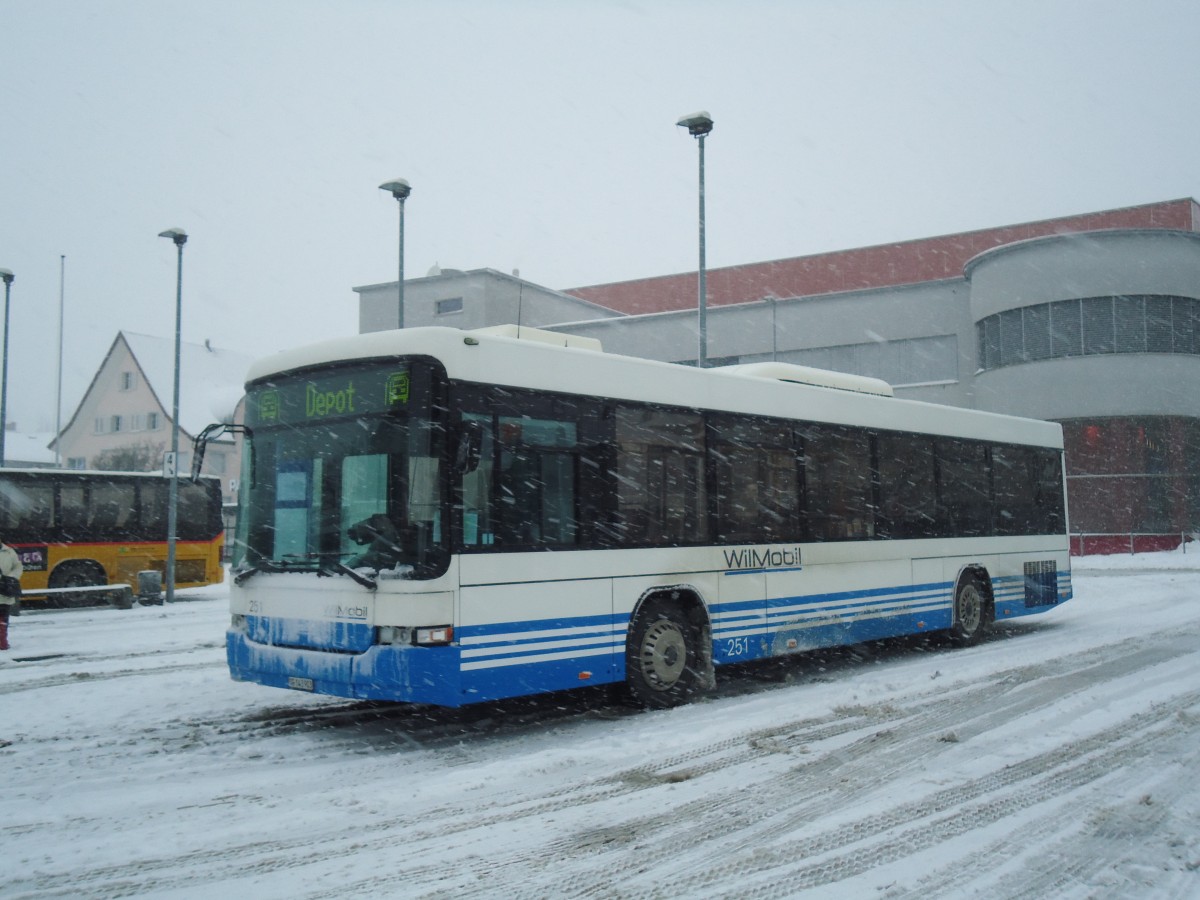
(300, 684)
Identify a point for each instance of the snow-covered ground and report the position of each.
(1060, 758)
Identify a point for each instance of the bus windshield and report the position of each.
(341, 481)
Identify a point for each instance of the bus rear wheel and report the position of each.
(972, 612)
(76, 573)
(664, 665)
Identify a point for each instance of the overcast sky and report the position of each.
(537, 136)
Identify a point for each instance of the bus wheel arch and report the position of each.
(974, 606)
(76, 573)
(668, 651)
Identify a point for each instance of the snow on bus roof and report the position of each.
(781, 390)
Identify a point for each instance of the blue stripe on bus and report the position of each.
(504, 659)
(504, 644)
(473, 631)
(761, 571)
(920, 607)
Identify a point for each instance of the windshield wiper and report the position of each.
(243, 575)
(272, 565)
(343, 569)
(322, 567)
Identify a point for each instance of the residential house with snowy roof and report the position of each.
(124, 418)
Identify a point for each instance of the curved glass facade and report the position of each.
(1088, 326)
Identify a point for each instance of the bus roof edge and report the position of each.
(841, 381)
(526, 333)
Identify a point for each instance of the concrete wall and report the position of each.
(743, 332)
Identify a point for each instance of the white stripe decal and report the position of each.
(525, 646)
(535, 658)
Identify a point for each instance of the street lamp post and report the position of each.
(8, 280)
(698, 126)
(62, 289)
(400, 189)
(179, 236)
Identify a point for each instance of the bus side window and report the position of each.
(25, 511)
(755, 479)
(1048, 500)
(964, 493)
(193, 513)
(112, 506)
(72, 511)
(152, 509)
(536, 503)
(907, 486)
(661, 489)
(476, 488)
(838, 483)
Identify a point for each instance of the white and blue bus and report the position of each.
(448, 517)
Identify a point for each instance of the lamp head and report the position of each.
(178, 235)
(400, 188)
(697, 124)
(7, 276)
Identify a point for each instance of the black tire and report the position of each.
(665, 665)
(972, 611)
(77, 573)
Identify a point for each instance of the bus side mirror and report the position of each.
(198, 457)
(213, 431)
(470, 447)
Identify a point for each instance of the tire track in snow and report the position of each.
(834, 779)
(86, 677)
(832, 782)
(757, 828)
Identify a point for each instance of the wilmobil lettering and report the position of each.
(763, 558)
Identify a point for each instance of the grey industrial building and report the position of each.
(1091, 320)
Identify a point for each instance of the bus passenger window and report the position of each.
(73, 511)
(837, 480)
(907, 486)
(756, 481)
(27, 509)
(536, 483)
(964, 493)
(476, 486)
(661, 493)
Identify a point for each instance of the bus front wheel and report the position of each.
(77, 573)
(972, 612)
(664, 664)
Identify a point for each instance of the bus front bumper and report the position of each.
(383, 672)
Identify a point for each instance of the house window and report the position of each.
(452, 305)
(137, 422)
(100, 426)
(152, 421)
(128, 381)
(76, 462)
(115, 424)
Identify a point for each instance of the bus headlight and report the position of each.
(394, 634)
(440, 634)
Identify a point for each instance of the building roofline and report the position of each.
(892, 264)
(980, 258)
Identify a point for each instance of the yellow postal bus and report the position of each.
(77, 528)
